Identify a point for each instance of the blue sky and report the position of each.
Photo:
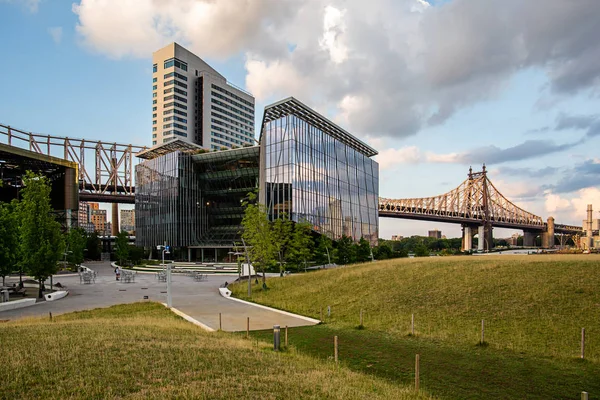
(403, 76)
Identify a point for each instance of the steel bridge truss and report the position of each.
(475, 201)
(109, 175)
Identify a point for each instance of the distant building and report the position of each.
(397, 237)
(83, 216)
(435, 234)
(128, 221)
(193, 102)
(98, 219)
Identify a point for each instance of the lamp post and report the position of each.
(165, 250)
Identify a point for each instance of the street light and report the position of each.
(165, 250)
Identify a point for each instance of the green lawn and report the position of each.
(534, 308)
(144, 351)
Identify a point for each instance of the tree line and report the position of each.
(282, 245)
(32, 241)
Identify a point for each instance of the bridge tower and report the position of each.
(477, 195)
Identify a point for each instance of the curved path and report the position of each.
(199, 300)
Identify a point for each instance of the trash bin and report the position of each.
(4, 296)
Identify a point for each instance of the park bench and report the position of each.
(198, 277)
(87, 277)
(128, 276)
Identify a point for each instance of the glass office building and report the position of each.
(306, 168)
(313, 170)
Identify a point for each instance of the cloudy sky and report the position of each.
(434, 86)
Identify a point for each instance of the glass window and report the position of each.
(154, 68)
(154, 80)
(154, 94)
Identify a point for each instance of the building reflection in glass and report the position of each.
(315, 171)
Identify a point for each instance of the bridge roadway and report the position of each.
(429, 216)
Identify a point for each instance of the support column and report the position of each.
(189, 254)
(467, 238)
(115, 219)
(548, 237)
(202, 255)
(480, 238)
(528, 239)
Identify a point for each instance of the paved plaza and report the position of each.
(199, 300)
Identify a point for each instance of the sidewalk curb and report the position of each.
(190, 319)
(314, 321)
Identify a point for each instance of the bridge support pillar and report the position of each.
(485, 241)
(548, 236)
(467, 238)
(529, 238)
(114, 226)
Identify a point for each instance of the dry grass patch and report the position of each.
(142, 350)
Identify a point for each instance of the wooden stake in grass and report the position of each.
(335, 349)
(248, 328)
(51, 317)
(220, 325)
(286, 341)
(321, 314)
(584, 395)
(412, 325)
(482, 333)
(361, 318)
(582, 343)
(417, 373)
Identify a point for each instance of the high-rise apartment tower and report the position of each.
(193, 102)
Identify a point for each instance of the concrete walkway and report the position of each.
(199, 300)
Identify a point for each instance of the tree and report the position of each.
(421, 251)
(93, 246)
(323, 250)
(76, 241)
(122, 247)
(258, 235)
(345, 250)
(42, 243)
(363, 250)
(301, 244)
(136, 254)
(383, 251)
(282, 229)
(9, 238)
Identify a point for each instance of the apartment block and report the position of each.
(193, 102)
(128, 221)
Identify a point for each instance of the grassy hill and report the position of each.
(534, 308)
(144, 351)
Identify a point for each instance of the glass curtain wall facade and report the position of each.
(314, 171)
(167, 201)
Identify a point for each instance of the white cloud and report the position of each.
(333, 31)
(278, 78)
(56, 33)
(406, 63)
(572, 209)
(389, 158)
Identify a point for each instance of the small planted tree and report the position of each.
(258, 235)
(9, 238)
(76, 242)
(93, 246)
(282, 231)
(324, 250)
(122, 247)
(345, 250)
(363, 250)
(300, 247)
(42, 243)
